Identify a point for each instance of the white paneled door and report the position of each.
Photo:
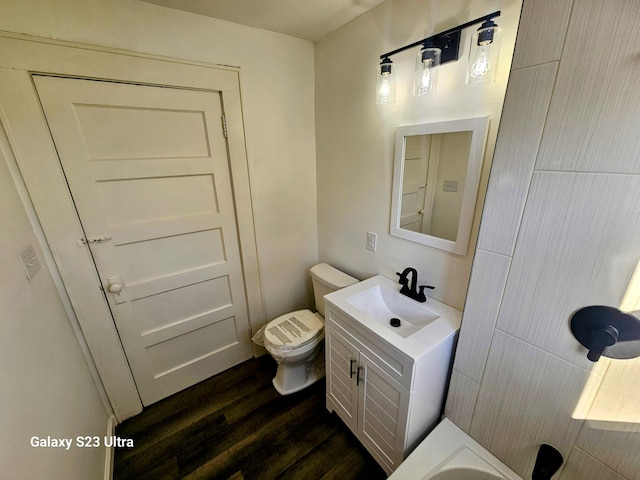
(148, 171)
(414, 183)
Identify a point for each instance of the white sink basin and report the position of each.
(382, 304)
(372, 303)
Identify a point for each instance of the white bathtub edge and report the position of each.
(442, 448)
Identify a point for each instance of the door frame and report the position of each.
(24, 122)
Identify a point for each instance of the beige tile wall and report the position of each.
(524, 112)
(560, 230)
(584, 467)
(527, 398)
(461, 400)
(489, 277)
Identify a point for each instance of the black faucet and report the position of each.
(412, 291)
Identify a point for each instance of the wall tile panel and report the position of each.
(488, 279)
(594, 120)
(581, 466)
(611, 433)
(461, 400)
(528, 397)
(523, 118)
(577, 246)
(533, 48)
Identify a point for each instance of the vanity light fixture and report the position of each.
(386, 85)
(425, 77)
(483, 54)
(442, 48)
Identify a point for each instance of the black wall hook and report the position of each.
(606, 331)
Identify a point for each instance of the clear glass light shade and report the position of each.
(386, 85)
(425, 78)
(484, 53)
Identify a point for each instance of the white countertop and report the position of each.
(417, 344)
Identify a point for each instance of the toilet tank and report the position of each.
(327, 279)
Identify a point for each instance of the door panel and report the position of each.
(414, 182)
(383, 417)
(129, 136)
(341, 377)
(148, 171)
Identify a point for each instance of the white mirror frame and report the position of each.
(480, 127)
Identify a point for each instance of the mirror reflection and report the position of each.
(435, 170)
(435, 182)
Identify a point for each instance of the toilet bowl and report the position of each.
(296, 340)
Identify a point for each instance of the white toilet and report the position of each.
(296, 340)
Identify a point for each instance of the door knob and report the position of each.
(114, 284)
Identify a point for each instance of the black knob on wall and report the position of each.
(606, 331)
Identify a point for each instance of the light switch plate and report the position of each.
(372, 241)
(30, 261)
(450, 186)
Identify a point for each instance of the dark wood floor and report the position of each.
(236, 426)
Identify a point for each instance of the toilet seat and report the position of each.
(293, 330)
(293, 333)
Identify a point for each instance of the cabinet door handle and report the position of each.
(352, 362)
(360, 369)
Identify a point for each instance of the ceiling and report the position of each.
(310, 20)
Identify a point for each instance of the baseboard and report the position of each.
(110, 452)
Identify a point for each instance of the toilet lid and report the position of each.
(294, 329)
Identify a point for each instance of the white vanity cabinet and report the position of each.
(389, 400)
(372, 404)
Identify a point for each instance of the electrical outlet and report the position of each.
(30, 261)
(372, 241)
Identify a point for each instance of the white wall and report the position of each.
(355, 137)
(559, 232)
(46, 385)
(277, 94)
(46, 388)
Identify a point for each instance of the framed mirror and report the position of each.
(435, 182)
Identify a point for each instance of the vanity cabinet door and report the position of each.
(342, 369)
(383, 407)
